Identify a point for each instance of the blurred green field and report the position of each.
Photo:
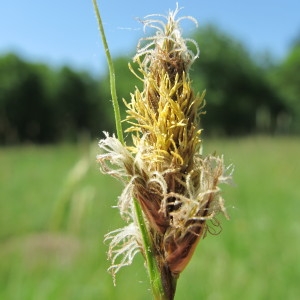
(53, 218)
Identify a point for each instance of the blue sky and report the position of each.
(65, 31)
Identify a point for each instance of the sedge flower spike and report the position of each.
(164, 172)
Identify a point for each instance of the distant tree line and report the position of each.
(41, 104)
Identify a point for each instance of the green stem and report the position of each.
(111, 75)
(153, 269)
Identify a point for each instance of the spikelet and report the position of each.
(176, 186)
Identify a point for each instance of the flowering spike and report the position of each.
(176, 187)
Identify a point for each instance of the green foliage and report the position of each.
(255, 256)
(24, 104)
(237, 88)
(286, 79)
(76, 103)
(41, 104)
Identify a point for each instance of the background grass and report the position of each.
(53, 218)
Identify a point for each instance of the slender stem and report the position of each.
(153, 269)
(111, 75)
